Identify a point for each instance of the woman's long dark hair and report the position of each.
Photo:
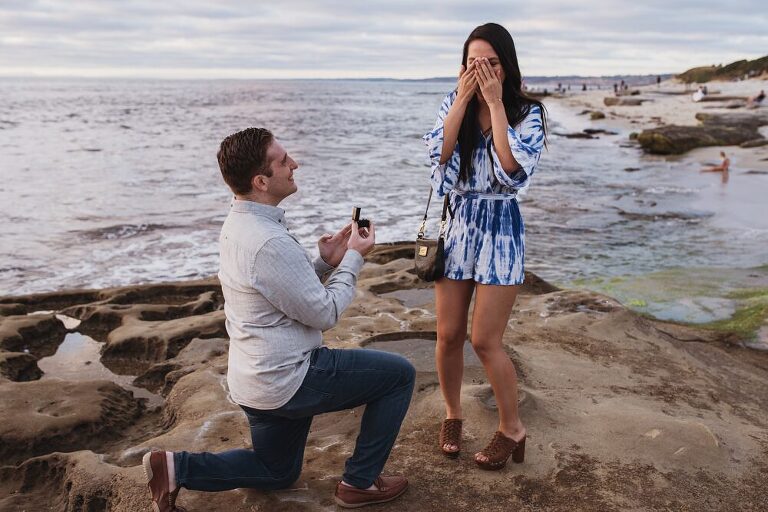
(517, 104)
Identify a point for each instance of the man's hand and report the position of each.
(362, 239)
(333, 247)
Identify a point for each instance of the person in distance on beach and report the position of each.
(700, 94)
(757, 100)
(279, 372)
(484, 149)
(722, 168)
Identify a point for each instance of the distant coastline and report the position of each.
(565, 79)
(733, 71)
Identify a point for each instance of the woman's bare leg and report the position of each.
(452, 300)
(493, 305)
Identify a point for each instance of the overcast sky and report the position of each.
(372, 38)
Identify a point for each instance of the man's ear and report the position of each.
(259, 182)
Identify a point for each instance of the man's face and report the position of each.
(280, 184)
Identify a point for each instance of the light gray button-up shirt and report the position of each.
(275, 304)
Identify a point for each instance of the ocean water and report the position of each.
(112, 182)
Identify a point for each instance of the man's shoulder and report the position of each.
(251, 232)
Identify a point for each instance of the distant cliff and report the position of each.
(737, 69)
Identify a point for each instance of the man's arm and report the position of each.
(321, 267)
(282, 274)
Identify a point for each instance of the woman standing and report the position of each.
(484, 149)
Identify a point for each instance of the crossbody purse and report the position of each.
(429, 258)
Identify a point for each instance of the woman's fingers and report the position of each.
(468, 82)
(491, 72)
(485, 70)
(463, 70)
(475, 80)
(480, 74)
(481, 77)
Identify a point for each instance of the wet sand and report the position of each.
(623, 412)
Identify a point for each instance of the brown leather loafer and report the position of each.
(156, 471)
(388, 488)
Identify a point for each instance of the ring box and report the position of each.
(361, 223)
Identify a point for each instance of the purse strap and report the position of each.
(443, 218)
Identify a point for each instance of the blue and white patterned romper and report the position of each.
(485, 241)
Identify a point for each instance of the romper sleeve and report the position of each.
(444, 176)
(526, 143)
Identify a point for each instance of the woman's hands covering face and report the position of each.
(488, 80)
(480, 78)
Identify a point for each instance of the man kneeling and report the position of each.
(279, 372)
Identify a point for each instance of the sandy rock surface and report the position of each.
(623, 413)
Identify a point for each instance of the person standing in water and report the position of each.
(723, 167)
(484, 149)
(725, 164)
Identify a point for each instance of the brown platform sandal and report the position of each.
(499, 450)
(450, 433)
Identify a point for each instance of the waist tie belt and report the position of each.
(480, 195)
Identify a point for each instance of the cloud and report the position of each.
(404, 39)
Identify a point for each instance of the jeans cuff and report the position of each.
(360, 483)
(178, 461)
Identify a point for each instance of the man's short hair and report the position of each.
(242, 156)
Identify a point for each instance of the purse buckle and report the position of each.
(421, 230)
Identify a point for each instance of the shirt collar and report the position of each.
(272, 212)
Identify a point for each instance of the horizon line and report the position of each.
(371, 78)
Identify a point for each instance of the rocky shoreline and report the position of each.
(623, 412)
(714, 130)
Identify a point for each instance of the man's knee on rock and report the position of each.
(287, 480)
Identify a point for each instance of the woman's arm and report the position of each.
(452, 121)
(525, 142)
(442, 140)
(515, 151)
(490, 86)
(499, 125)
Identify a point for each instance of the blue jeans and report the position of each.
(336, 380)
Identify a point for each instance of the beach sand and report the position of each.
(622, 412)
(661, 108)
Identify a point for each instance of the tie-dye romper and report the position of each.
(485, 240)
